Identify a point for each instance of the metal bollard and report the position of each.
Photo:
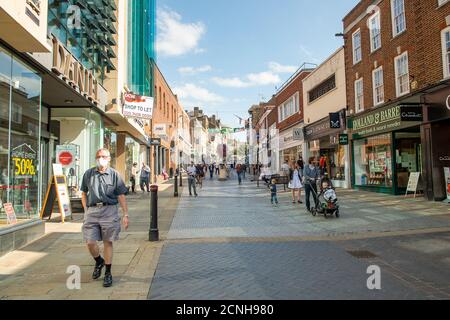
(175, 191)
(154, 232)
(181, 178)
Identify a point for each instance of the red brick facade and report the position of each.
(422, 40)
(294, 86)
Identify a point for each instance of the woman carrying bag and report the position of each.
(295, 183)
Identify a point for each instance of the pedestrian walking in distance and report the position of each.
(145, 177)
(134, 173)
(102, 191)
(311, 175)
(192, 173)
(239, 173)
(273, 191)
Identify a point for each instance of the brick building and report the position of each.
(397, 72)
(290, 114)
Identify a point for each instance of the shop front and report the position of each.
(386, 148)
(326, 141)
(291, 145)
(436, 130)
(20, 145)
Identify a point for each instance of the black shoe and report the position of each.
(98, 271)
(108, 280)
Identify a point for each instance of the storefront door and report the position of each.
(408, 149)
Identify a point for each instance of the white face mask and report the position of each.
(102, 163)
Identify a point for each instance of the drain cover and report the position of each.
(362, 254)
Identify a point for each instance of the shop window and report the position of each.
(20, 92)
(373, 161)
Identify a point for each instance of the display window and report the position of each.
(373, 161)
(20, 125)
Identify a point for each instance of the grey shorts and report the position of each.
(102, 224)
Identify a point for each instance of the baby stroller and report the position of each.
(326, 201)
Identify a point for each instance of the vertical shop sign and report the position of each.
(10, 213)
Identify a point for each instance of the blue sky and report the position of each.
(226, 55)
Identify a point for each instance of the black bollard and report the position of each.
(181, 177)
(175, 191)
(154, 232)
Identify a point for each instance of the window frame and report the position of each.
(360, 80)
(374, 88)
(394, 26)
(397, 84)
(376, 15)
(360, 46)
(445, 54)
(285, 110)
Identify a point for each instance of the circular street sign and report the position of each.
(65, 158)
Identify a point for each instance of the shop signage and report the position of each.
(447, 102)
(409, 113)
(298, 134)
(136, 106)
(57, 190)
(73, 72)
(23, 158)
(335, 120)
(10, 213)
(413, 183)
(447, 182)
(155, 142)
(35, 5)
(160, 130)
(343, 139)
(378, 121)
(66, 156)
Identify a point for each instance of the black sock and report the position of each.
(108, 268)
(99, 260)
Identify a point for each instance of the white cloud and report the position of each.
(194, 71)
(197, 95)
(176, 38)
(252, 80)
(279, 68)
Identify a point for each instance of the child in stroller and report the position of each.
(327, 200)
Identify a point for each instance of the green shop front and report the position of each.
(386, 147)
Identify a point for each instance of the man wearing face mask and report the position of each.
(103, 190)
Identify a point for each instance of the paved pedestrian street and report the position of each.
(232, 243)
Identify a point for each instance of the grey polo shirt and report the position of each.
(103, 187)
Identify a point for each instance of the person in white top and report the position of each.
(192, 172)
(285, 168)
(295, 183)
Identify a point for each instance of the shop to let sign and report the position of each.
(136, 106)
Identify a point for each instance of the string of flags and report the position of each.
(227, 130)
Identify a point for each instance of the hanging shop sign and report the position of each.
(73, 72)
(298, 134)
(343, 139)
(335, 120)
(23, 160)
(160, 130)
(411, 113)
(379, 121)
(136, 106)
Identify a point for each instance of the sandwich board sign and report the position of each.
(57, 190)
(413, 183)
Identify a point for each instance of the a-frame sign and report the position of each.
(57, 190)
